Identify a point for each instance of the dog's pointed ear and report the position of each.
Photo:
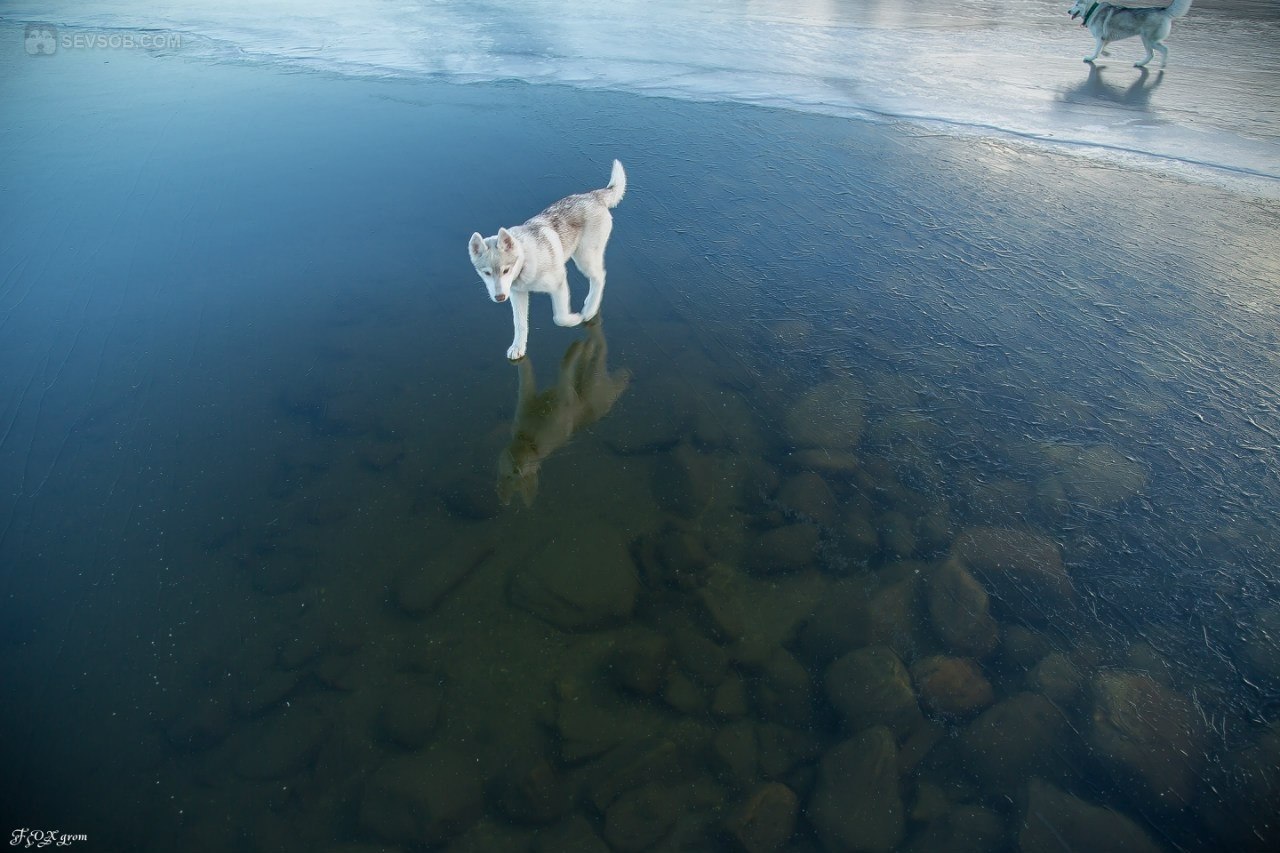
(505, 241)
(476, 245)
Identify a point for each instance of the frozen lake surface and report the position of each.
(920, 461)
(1005, 67)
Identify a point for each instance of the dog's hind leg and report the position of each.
(1164, 53)
(1150, 46)
(589, 259)
(560, 305)
(593, 269)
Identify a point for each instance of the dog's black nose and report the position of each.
(500, 298)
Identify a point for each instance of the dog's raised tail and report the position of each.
(1179, 8)
(612, 194)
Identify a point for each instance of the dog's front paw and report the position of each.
(515, 352)
(569, 320)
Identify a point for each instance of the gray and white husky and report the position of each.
(531, 258)
(1109, 22)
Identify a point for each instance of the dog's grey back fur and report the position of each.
(572, 215)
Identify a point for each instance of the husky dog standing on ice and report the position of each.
(1109, 22)
(531, 258)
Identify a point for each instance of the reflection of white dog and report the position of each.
(584, 393)
(531, 258)
(1109, 22)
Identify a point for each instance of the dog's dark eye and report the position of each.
(507, 270)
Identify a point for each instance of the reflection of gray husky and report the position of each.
(531, 258)
(584, 393)
(1109, 22)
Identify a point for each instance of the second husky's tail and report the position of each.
(612, 194)
(1179, 8)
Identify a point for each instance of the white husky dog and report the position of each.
(1109, 22)
(531, 258)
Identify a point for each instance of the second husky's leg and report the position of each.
(1164, 53)
(560, 304)
(1150, 46)
(1097, 49)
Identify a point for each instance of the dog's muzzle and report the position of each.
(500, 297)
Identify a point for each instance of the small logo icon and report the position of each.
(41, 40)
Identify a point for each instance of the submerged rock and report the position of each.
(828, 415)
(578, 584)
(200, 727)
(410, 711)
(791, 548)
(268, 692)
(1097, 477)
(871, 687)
(640, 818)
(639, 663)
(636, 763)
(1021, 648)
(766, 821)
(735, 753)
(964, 829)
(860, 539)
(585, 729)
(422, 799)
(952, 686)
(420, 587)
(840, 463)
(1056, 821)
(783, 749)
(729, 700)
(959, 610)
(808, 495)
(674, 557)
(1013, 740)
(1238, 799)
(274, 571)
(783, 691)
(897, 535)
(856, 804)
(532, 793)
(682, 482)
(1057, 678)
(841, 623)
(471, 497)
(572, 835)
(724, 602)
(683, 694)
(282, 745)
(1020, 569)
(896, 620)
(1150, 738)
(701, 657)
